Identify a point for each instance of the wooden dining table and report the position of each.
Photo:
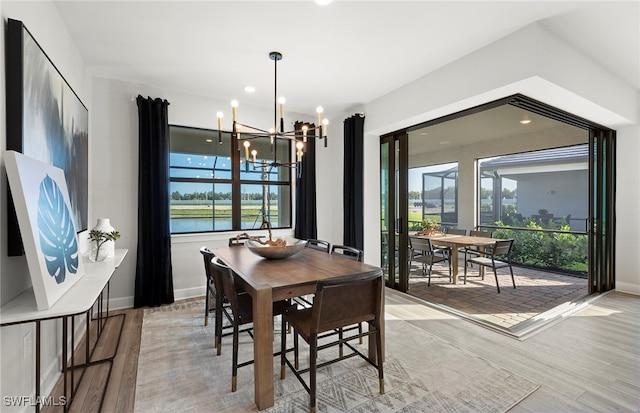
(455, 242)
(272, 280)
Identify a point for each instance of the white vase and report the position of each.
(108, 249)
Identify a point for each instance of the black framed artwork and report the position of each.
(46, 121)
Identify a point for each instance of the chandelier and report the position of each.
(245, 134)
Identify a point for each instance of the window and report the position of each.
(548, 187)
(433, 194)
(214, 188)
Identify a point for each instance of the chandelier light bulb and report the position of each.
(276, 133)
(234, 109)
(246, 149)
(220, 115)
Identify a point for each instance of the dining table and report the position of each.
(268, 280)
(455, 242)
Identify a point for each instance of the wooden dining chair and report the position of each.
(354, 254)
(338, 303)
(318, 244)
(349, 252)
(241, 305)
(423, 252)
(501, 248)
(221, 308)
(456, 231)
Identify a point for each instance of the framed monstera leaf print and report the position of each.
(47, 226)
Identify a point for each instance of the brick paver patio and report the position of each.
(535, 292)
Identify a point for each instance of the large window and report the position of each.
(433, 195)
(214, 188)
(548, 187)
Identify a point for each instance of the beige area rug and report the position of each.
(178, 371)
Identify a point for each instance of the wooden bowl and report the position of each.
(293, 246)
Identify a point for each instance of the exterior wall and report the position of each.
(560, 193)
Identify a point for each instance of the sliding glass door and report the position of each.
(393, 219)
(602, 211)
(446, 150)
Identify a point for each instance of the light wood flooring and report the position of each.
(589, 362)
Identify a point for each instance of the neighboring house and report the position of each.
(552, 184)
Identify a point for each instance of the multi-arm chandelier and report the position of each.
(244, 134)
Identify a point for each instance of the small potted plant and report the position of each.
(98, 238)
(429, 227)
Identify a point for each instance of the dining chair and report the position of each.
(485, 234)
(354, 254)
(338, 303)
(318, 244)
(473, 249)
(349, 252)
(501, 248)
(241, 305)
(425, 253)
(215, 291)
(456, 231)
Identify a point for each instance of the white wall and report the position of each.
(17, 342)
(114, 156)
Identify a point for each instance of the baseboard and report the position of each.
(627, 288)
(127, 302)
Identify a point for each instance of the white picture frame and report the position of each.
(47, 226)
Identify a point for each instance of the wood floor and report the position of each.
(589, 362)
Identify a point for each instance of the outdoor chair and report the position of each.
(423, 252)
(456, 231)
(501, 248)
(241, 305)
(338, 303)
(318, 244)
(473, 249)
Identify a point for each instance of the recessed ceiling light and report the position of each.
(424, 133)
(249, 89)
(445, 142)
(525, 121)
(209, 140)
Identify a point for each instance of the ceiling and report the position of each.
(339, 56)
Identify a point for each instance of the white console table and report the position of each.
(81, 298)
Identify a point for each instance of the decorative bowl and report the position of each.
(275, 253)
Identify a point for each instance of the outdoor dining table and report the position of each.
(272, 280)
(455, 242)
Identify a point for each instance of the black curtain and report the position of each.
(353, 171)
(306, 217)
(154, 278)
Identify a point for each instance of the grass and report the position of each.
(207, 212)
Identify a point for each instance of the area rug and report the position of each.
(178, 370)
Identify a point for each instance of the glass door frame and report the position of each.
(396, 249)
(601, 229)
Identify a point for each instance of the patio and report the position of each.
(513, 311)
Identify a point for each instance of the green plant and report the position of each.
(430, 225)
(100, 237)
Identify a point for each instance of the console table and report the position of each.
(81, 298)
